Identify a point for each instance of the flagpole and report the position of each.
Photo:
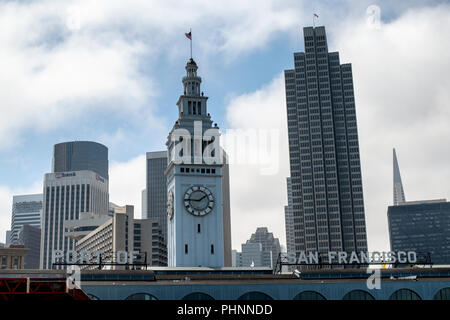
(190, 31)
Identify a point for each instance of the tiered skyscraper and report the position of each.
(327, 195)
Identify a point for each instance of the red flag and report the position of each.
(189, 35)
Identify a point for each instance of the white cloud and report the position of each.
(402, 96)
(63, 60)
(258, 199)
(126, 182)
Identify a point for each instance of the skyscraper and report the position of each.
(26, 210)
(399, 194)
(81, 191)
(327, 195)
(80, 155)
(289, 219)
(268, 243)
(156, 189)
(30, 237)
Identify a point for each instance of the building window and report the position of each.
(212, 249)
(404, 294)
(186, 249)
(358, 295)
(198, 228)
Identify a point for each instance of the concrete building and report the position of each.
(199, 225)
(80, 155)
(71, 195)
(156, 189)
(124, 233)
(268, 243)
(327, 194)
(252, 255)
(289, 219)
(12, 257)
(26, 210)
(30, 237)
(421, 226)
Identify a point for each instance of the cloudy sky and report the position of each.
(110, 71)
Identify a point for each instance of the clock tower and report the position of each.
(198, 218)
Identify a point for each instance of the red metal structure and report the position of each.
(39, 289)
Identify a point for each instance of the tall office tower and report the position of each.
(156, 189)
(289, 219)
(198, 226)
(399, 194)
(267, 241)
(423, 227)
(69, 196)
(26, 209)
(327, 195)
(30, 237)
(252, 255)
(80, 155)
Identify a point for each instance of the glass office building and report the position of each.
(421, 226)
(80, 155)
(26, 210)
(327, 194)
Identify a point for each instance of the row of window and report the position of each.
(197, 170)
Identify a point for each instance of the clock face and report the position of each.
(170, 207)
(198, 200)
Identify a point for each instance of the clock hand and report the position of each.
(199, 199)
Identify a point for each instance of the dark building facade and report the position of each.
(156, 189)
(80, 155)
(421, 226)
(327, 196)
(30, 237)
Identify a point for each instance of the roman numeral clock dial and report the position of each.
(198, 201)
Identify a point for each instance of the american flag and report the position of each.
(189, 35)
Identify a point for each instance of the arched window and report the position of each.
(197, 296)
(141, 296)
(443, 294)
(255, 295)
(309, 295)
(404, 294)
(92, 297)
(358, 295)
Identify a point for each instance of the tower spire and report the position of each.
(399, 194)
